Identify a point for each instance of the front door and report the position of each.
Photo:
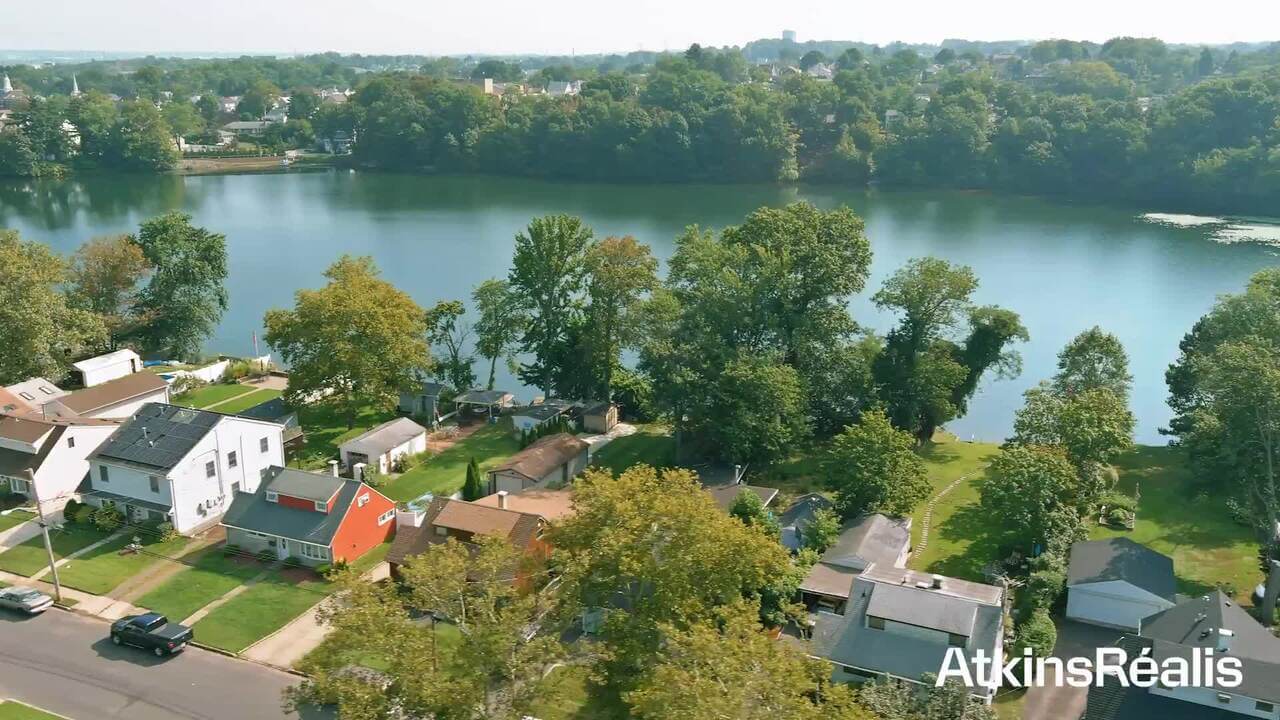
(282, 549)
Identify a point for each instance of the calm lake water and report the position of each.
(1064, 268)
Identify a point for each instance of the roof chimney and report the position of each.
(502, 499)
(937, 582)
(333, 468)
(1224, 640)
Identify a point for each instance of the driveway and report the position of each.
(63, 662)
(1056, 703)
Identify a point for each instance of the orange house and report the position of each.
(317, 518)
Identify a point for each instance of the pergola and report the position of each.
(491, 400)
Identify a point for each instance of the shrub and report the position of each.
(236, 371)
(70, 509)
(166, 531)
(1038, 633)
(267, 556)
(84, 515)
(230, 549)
(107, 518)
(1119, 500)
(1044, 587)
(324, 569)
(1118, 517)
(293, 561)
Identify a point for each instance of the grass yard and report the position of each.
(29, 557)
(326, 429)
(956, 545)
(574, 700)
(260, 610)
(1209, 549)
(651, 445)
(327, 656)
(210, 577)
(14, 518)
(102, 569)
(247, 401)
(203, 397)
(14, 710)
(445, 473)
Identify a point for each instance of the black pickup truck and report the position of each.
(151, 631)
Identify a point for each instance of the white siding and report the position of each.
(1114, 604)
(413, 446)
(118, 369)
(129, 407)
(65, 466)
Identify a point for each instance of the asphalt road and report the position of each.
(65, 663)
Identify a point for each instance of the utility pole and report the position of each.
(44, 529)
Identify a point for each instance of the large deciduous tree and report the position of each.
(1093, 359)
(357, 341)
(500, 324)
(873, 467)
(1033, 492)
(448, 333)
(547, 274)
(185, 297)
(40, 332)
(619, 272)
(105, 276)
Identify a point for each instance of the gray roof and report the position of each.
(726, 495)
(484, 397)
(158, 436)
(846, 639)
(1122, 559)
(389, 435)
(252, 511)
(275, 410)
(300, 484)
(540, 412)
(799, 514)
(873, 538)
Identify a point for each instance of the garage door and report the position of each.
(1108, 610)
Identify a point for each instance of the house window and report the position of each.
(362, 500)
(264, 445)
(103, 475)
(386, 517)
(875, 623)
(322, 506)
(46, 390)
(71, 442)
(272, 497)
(955, 640)
(155, 484)
(1261, 706)
(210, 469)
(315, 552)
(231, 459)
(27, 396)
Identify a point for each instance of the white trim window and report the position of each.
(387, 517)
(322, 506)
(313, 552)
(362, 500)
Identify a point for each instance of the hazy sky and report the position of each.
(560, 26)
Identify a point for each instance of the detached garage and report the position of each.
(1116, 583)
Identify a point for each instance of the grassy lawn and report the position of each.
(651, 445)
(259, 611)
(29, 557)
(326, 429)
(327, 656)
(956, 546)
(210, 577)
(574, 700)
(1208, 548)
(14, 518)
(445, 473)
(14, 710)
(244, 403)
(102, 569)
(209, 394)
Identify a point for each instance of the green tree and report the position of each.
(40, 332)
(500, 324)
(182, 118)
(258, 100)
(210, 107)
(143, 139)
(872, 467)
(821, 532)
(448, 334)
(303, 104)
(1033, 491)
(353, 343)
(497, 70)
(474, 487)
(619, 271)
(900, 700)
(186, 296)
(1092, 427)
(104, 277)
(17, 157)
(547, 274)
(1093, 359)
(756, 412)
(750, 509)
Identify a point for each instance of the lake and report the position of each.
(1064, 268)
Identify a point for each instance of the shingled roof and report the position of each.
(111, 392)
(519, 528)
(252, 511)
(1122, 559)
(543, 456)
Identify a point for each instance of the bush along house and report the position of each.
(315, 518)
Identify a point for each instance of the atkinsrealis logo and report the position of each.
(1202, 669)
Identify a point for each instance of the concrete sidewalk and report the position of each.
(19, 534)
(595, 442)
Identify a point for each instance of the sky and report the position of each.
(430, 27)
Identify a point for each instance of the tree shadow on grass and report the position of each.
(987, 538)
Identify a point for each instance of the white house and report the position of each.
(182, 465)
(380, 447)
(119, 398)
(52, 452)
(100, 369)
(1117, 582)
(552, 460)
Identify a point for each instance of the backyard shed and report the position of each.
(1117, 582)
(100, 369)
(422, 401)
(380, 447)
(487, 401)
(599, 417)
(552, 459)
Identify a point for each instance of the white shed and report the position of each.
(380, 447)
(97, 370)
(1117, 582)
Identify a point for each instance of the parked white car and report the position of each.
(25, 599)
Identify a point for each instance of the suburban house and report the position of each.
(599, 417)
(119, 398)
(462, 521)
(726, 495)
(318, 518)
(799, 514)
(550, 505)
(1213, 621)
(901, 623)
(97, 370)
(553, 459)
(1117, 582)
(274, 410)
(53, 452)
(35, 392)
(530, 417)
(422, 401)
(380, 447)
(181, 465)
(10, 403)
(872, 540)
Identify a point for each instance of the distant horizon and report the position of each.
(567, 27)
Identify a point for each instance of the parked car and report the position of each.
(25, 599)
(151, 631)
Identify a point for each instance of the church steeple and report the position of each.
(75, 87)
(7, 87)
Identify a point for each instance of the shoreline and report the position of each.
(251, 165)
